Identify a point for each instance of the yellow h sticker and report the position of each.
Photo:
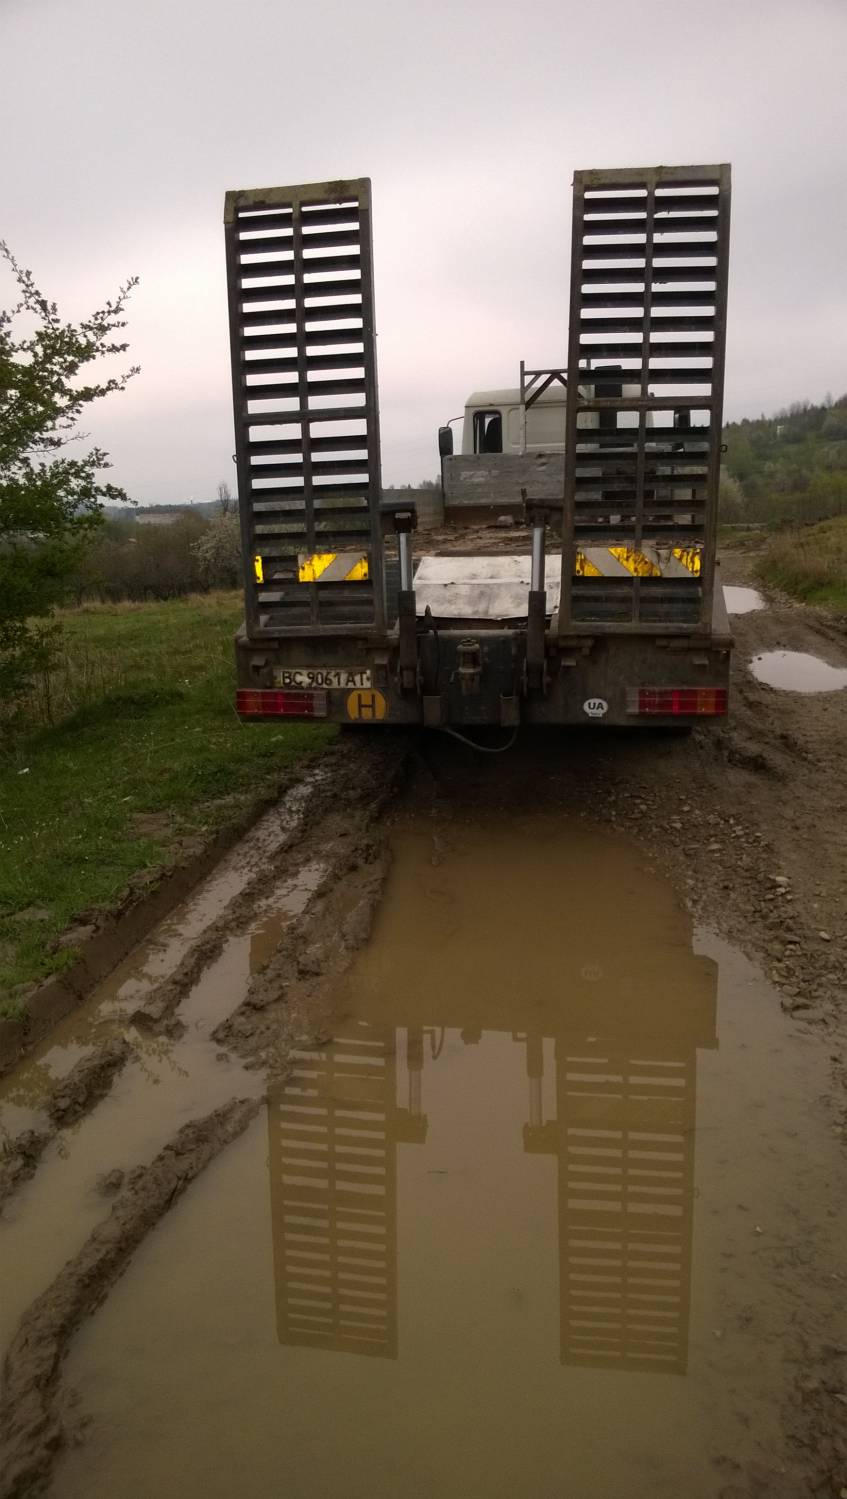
(258, 570)
(366, 706)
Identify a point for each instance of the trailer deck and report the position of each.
(612, 613)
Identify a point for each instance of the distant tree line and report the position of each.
(788, 468)
(165, 552)
(162, 555)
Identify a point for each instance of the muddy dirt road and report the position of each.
(476, 1129)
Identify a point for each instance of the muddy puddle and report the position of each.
(528, 1225)
(795, 671)
(742, 600)
(166, 1082)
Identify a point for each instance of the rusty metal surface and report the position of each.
(648, 299)
(533, 383)
(605, 665)
(303, 349)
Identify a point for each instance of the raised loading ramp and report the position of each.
(647, 310)
(302, 338)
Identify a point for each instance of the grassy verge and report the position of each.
(130, 747)
(747, 538)
(810, 564)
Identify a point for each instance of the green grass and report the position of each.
(136, 719)
(810, 563)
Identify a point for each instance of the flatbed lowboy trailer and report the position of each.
(612, 612)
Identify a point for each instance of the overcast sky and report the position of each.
(124, 122)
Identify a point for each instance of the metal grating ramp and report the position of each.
(626, 1169)
(645, 394)
(333, 1196)
(301, 312)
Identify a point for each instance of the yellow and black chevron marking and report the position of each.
(648, 562)
(689, 557)
(333, 567)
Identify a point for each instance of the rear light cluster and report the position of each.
(671, 701)
(264, 702)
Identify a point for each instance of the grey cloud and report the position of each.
(127, 123)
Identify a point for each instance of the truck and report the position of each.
(604, 605)
(512, 439)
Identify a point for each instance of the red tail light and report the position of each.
(685, 701)
(265, 702)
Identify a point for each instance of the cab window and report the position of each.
(609, 419)
(487, 432)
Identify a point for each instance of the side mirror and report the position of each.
(445, 442)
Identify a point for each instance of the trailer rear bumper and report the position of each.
(468, 678)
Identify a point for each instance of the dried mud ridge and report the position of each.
(285, 1006)
(333, 832)
(71, 1098)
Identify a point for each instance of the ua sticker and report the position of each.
(366, 705)
(595, 707)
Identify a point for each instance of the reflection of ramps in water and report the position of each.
(624, 1138)
(334, 1129)
(621, 1040)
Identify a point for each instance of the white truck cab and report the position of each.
(514, 439)
(493, 422)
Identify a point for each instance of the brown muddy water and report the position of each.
(167, 1083)
(532, 1224)
(796, 671)
(741, 600)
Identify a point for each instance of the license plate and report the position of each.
(343, 677)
